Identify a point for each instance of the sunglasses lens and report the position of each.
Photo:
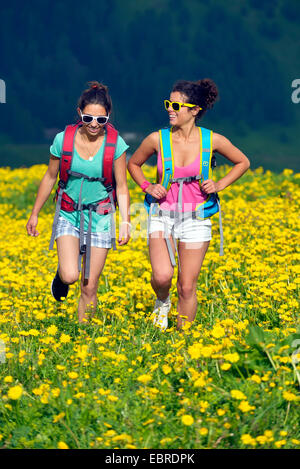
(167, 104)
(102, 119)
(176, 106)
(87, 119)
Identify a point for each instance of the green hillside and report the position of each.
(139, 49)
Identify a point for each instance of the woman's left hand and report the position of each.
(209, 186)
(124, 233)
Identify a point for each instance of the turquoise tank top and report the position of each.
(92, 191)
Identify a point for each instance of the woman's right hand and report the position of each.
(156, 190)
(31, 225)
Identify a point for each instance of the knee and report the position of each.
(68, 277)
(162, 279)
(89, 289)
(186, 290)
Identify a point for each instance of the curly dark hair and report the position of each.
(204, 93)
(97, 93)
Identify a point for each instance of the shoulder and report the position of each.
(56, 147)
(121, 147)
(219, 141)
(59, 137)
(152, 140)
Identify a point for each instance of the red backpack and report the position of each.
(104, 206)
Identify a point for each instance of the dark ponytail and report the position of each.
(204, 93)
(95, 94)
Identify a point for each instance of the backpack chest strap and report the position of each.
(181, 181)
(84, 176)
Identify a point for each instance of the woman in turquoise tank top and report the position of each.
(185, 196)
(85, 233)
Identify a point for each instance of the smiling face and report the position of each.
(185, 115)
(93, 129)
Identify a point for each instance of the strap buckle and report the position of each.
(61, 184)
(109, 188)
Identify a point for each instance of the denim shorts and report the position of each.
(98, 240)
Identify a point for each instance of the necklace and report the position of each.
(95, 150)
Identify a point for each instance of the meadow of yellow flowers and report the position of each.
(230, 380)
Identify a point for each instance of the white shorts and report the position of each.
(187, 231)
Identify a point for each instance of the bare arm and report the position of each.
(44, 191)
(148, 146)
(223, 146)
(123, 198)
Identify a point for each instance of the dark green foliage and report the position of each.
(49, 50)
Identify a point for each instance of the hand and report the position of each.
(157, 191)
(31, 225)
(209, 186)
(124, 233)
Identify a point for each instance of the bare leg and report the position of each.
(89, 287)
(162, 270)
(67, 252)
(191, 257)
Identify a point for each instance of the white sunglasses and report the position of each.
(87, 119)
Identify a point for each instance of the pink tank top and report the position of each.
(191, 193)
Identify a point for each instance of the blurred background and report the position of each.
(139, 48)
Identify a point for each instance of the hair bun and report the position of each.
(95, 85)
(209, 92)
(96, 93)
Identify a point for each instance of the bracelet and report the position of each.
(145, 185)
(127, 223)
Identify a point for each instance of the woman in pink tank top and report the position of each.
(187, 104)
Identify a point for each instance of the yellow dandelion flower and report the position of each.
(165, 441)
(218, 332)
(60, 367)
(112, 398)
(187, 420)
(236, 394)
(245, 406)
(62, 445)
(255, 378)
(65, 338)
(280, 443)
(166, 369)
(232, 357)
(194, 351)
(15, 392)
(248, 440)
(225, 366)
(261, 439)
(148, 422)
(144, 378)
(203, 431)
(290, 396)
(8, 379)
(58, 417)
(101, 340)
(52, 330)
(123, 437)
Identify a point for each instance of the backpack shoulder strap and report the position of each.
(165, 138)
(67, 152)
(109, 153)
(205, 152)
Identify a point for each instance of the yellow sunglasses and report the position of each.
(176, 106)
